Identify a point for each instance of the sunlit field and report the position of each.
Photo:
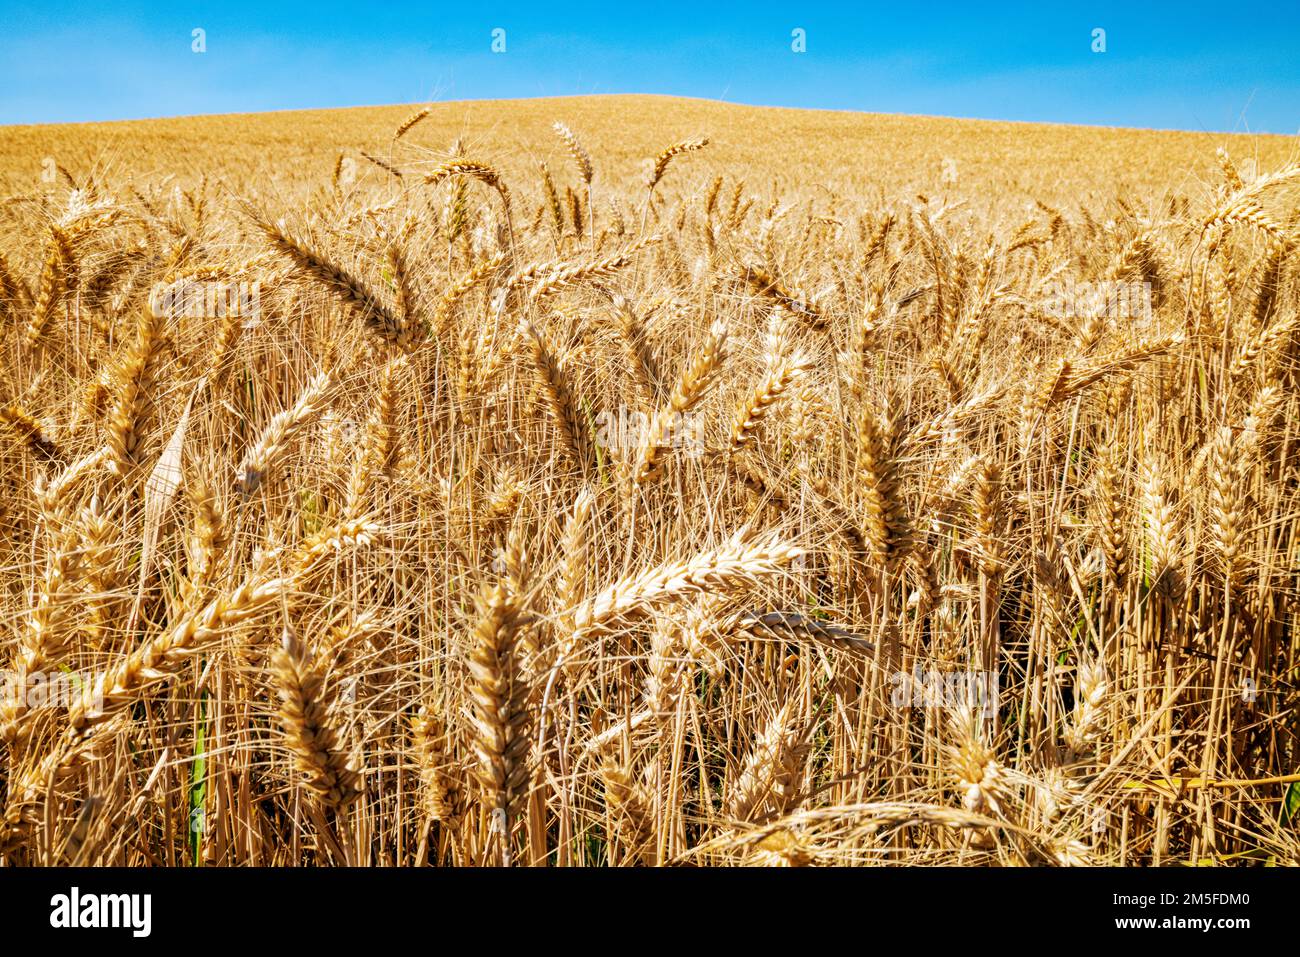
(643, 481)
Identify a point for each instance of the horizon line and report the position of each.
(666, 96)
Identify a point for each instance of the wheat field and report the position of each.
(639, 481)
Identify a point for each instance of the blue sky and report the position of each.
(1193, 65)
